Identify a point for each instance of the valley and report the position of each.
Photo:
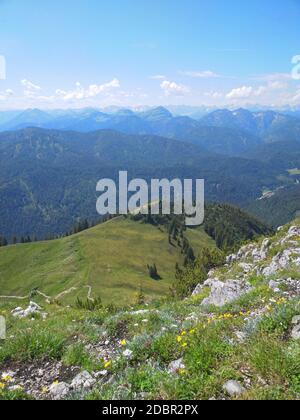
(69, 164)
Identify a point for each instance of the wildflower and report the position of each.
(44, 390)
(192, 332)
(2, 386)
(108, 364)
(183, 333)
(56, 383)
(123, 343)
(7, 378)
(182, 371)
(179, 339)
(184, 344)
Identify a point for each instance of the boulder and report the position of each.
(234, 389)
(296, 320)
(59, 391)
(32, 309)
(223, 293)
(296, 332)
(83, 381)
(282, 261)
(174, 367)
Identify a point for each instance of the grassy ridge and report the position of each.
(111, 258)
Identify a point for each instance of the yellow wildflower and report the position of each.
(6, 378)
(108, 364)
(192, 332)
(183, 333)
(44, 390)
(184, 344)
(2, 385)
(179, 339)
(123, 343)
(56, 383)
(182, 371)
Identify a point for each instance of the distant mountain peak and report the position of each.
(157, 113)
(125, 112)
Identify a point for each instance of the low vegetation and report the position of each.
(131, 350)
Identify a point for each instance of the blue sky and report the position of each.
(76, 53)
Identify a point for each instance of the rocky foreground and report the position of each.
(237, 337)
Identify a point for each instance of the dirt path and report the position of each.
(48, 298)
(66, 292)
(15, 297)
(89, 293)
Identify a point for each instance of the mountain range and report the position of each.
(224, 132)
(48, 177)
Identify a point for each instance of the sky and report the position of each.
(79, 53)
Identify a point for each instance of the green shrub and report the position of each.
(89, 304)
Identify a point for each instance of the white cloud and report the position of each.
(172, 88)
(30, 86)
(158, 77)
(6, 94)
(296, 59)
(240, 93)
(84, 93)
(246, 92)
(30, 89)
(207, 74)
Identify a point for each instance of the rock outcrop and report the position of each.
(268, 260)
(222, 293)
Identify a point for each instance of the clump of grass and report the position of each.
(145, 379)
(206, 349)
(88, 304)
(118, 325)
(77, 355)
(165, 349)
(33, 344)
(17, 395)
(270, 357)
